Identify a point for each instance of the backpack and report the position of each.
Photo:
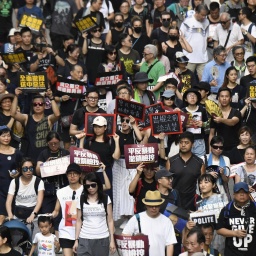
(228, 206)
(82, 201)
(17, 185)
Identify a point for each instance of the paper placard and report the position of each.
(86, 24)
(204, 217)
(33, 82)
(251, 91)
(74, 89)
(31, 21)
(89, 161)
(11, 58)
(108, 78)
(168, 122)
(111, 123)
(155, 108)
(54, 167)
(135, 154)
(132, 245)
(127, 108)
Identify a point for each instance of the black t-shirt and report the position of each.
(231, 219)
(244, 82)
(173, 198)
(187, 80)
(251, 120)
(159, 35)
(79, 115)
(44, 63)
(225, 131)
(139, 43)
(185, 178)
(12, 252)
(235, 155)
(29, 54)
(125, 139)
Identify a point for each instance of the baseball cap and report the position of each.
(74, 167)
(241, 185)
(100, 121)
(163, 173)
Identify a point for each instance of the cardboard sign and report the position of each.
(111, 123)
(251, 91)
(11, 58)
(33, 82)
(55, 167)
(127, 108)
(75, 89)
(168, 122)
(204, 217)
(132, 245)
(108, 78)
(89, 161)
(86, 24)
(135, 154)
(155, 108)
(31, 21)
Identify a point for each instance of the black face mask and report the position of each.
(119, 24)
(166, 24)
(174, 38)
(138, 30)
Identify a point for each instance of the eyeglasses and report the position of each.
(166, 19)
(96, 30)
(217, 147)
(125, 120)
(52, 144)
(93, 185)
(239, 53)
(123, 93)
(224, 22)
(112, 53)
(167, 178)
(191, 95)
(40, 104)
(92, 98)
(72, 174)
(171, 98)
(74, 195)
(27, 168)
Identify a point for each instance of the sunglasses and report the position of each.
(93, 185)
(224, 22)
(125, 120)
(112, 53)
(217, 147)
(166, 19)
(25, 168)
(171, 98)
(96, 30)
(40, 104)
(74, 195)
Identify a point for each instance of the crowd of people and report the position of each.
(194, 57)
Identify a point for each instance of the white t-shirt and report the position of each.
(248, 45)
(159, 230)
(251, 175)
(69, 211)
(94, 221)
(26, 196)
(45, 244)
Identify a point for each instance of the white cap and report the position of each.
(12, 31)
(100, 121)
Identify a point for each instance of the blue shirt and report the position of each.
(214, 71)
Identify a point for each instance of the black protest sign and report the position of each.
(108, 78)
(168, 122)
(33, 82)
(30, 21)
(132, 245)
(11, 58)
(251, 91)
(201, 218)
(155, 108)
(130, 108)
(86, 23)
(111, 123)
(70, 87)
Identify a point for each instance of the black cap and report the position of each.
(194, 91)
(74, 167)
(163, 173)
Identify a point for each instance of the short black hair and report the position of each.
(222, 89)
(201, 7)
(216, 139)
(250, 59)
(24, 30)
(198, 231)
(44, 219)
(247, 12)
(187, 135)
(214, 5)
(92, 89)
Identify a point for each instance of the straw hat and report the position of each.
(153, 198)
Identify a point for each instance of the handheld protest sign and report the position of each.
(11, 58)
(132, 245)
(251, 91)
(168, 122)
(108, 79)
(86, 24)
(201, 218)
(130, 108)
(89, 161)
(70, 87)
(31, 22)
(155, 108)
(111, 123)
(33, 82)
(135, 154)
(54, 167)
